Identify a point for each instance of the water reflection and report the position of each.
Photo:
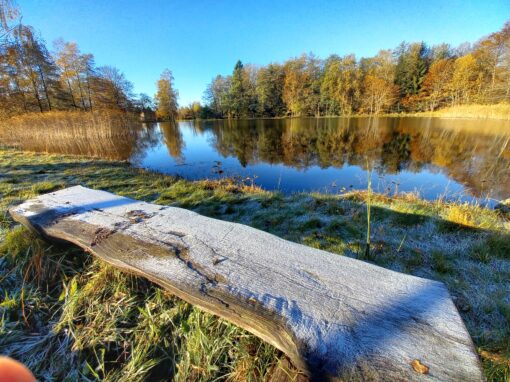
(435, 156)
(115, 136)
(173, 140)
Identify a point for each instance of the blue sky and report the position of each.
(199, 39)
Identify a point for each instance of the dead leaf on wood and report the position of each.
(419, 367)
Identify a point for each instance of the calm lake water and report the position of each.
(464, 159)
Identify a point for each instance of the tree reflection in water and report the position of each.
(470, 156)
(473, 153)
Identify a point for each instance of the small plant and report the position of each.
(440, 262)
(479, 252)
(498, 244)
(414, 259)
(369, 205)
(313, 223)
(44, 187)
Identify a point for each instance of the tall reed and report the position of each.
(106, 134)
(496, 111)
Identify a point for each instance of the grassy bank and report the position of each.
(68, 316)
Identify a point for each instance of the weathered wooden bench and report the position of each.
(335, 317)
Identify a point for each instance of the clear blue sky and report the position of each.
(198, 39)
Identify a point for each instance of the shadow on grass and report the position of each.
(492, 244)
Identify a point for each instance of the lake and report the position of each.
(464, 159)
(451, 158)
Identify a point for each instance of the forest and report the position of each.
(413, 77)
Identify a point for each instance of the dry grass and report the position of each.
(469, 215)
(497, 111)
(106, 134)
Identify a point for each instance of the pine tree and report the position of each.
(237, 94)
(411, 68)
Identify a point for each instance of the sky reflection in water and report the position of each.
(436, 157)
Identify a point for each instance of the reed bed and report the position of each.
(496, 111)
(105, 134)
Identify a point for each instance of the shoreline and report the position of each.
(464, 246)
(498, 112)
(482, 201)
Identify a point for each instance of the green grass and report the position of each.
(441, 263)
(70, 317)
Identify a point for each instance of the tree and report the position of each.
(166, 97)
(466, 79)
(492, 54)
(217, 95)
(89, 73)
(440, 52)
(341, 85)
(250, 74)
(144, 102)
(379, 95)
(296, 86)
(73, 72)
(238, 104)
(381, 66)
(436, 85)
(269, 89)
(33, 70)
(111, 89)
(301, 90)
(192, 111)
(329, 103)
(8, 13)
(410, 70)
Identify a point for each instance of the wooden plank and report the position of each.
(335, 317)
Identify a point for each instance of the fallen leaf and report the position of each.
(497, 358)
(419, 367)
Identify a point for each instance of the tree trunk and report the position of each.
(71, 93)
(45, 88)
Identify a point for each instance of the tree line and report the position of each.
(411, 78)
(35, 79)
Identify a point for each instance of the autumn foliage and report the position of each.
(411, 78)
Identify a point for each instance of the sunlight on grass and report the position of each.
(67, 315)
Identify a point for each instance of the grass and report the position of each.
(70, 317)
(103, 134)
(475, 111)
